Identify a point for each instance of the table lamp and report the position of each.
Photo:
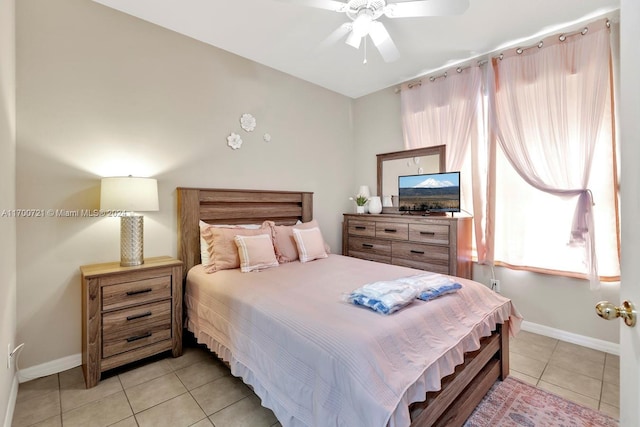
(130, 195)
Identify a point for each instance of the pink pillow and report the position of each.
(285, 244)
(255, 252)
(223, 252)
(204, 246)
(310, 244)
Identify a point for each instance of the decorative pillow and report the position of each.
(223, 252)
(204, 246)
(285, 244)
(255, 252)
(310, 244)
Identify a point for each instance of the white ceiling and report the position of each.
(291, 37)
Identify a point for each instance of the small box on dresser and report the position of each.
(129, 313)
(441, 244)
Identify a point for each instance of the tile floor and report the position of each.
(579, 374)
(196, 389)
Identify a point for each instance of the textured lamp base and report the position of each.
(131, 240)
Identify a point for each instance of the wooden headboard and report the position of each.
(220, 206)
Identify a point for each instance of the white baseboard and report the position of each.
(49, 368)
(593, 343)
(13, 396)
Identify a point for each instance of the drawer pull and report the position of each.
(139, 337)
(427, 233)
(360, 227)
(413, 251)
(139, 316)
(390, 230)
(141, 291)
(367, 245)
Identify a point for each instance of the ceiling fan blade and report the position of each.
(383, 42)
(336, 6)
(336, 35)
(353, 40)
(409, 9)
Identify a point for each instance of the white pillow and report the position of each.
(255, 252)
(310, 244)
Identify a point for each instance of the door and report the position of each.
(630, 205)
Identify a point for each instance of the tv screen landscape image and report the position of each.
(435, 192)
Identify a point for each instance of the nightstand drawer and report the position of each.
(136, 292)
(429, 233)
(362, 228)
(127, 329)
(392, 230)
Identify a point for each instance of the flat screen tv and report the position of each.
(429, 193)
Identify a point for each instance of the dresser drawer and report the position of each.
(429, 233)
(392, 230)
(131, 328)
(136, 292)
(424, 257)
(362, 228)
(371, 249)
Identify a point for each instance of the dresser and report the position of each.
(441, 244)
(129, 313)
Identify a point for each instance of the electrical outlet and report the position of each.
(495, 285)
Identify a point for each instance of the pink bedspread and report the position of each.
(316, 360)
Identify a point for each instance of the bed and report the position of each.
(316, 360)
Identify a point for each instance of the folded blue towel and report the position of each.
(435, 292)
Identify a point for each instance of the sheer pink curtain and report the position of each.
(443, 111)
(548, 111)
(448, 110)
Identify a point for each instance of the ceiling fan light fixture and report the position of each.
(362, 23)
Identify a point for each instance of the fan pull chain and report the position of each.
(365, 51)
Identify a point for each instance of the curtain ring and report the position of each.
(519, 50)
(562, 37)
(583, 32)
(540, 44)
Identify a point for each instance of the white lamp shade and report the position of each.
(129, 194)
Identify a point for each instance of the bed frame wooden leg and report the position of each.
(504, 350)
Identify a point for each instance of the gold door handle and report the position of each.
(608, 311)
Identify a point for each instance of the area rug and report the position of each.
(512, 403)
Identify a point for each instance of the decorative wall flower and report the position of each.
(248, 122)
(234, 141)
(266, 137)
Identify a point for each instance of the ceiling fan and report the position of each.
(364, 16)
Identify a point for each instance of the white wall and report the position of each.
(101, 93)
(554, 302)
(7, 201)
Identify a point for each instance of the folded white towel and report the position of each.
(385, 297)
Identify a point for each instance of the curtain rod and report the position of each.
(519, 50)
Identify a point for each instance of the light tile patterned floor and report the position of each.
(198, 390)
(579, 374)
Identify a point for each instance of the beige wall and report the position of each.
(101, 93)
(553, 302)
(7, 198)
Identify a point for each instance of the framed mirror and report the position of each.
(407, 162)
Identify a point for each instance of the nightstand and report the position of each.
(129, 313)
